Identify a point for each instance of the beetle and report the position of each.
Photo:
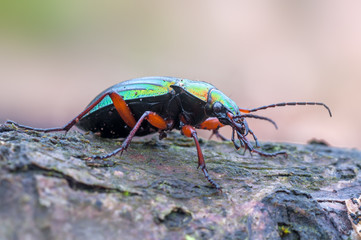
(142, 106)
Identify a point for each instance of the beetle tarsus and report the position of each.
(115, 152)
(236, 145)
(210, 180)
(58, 129)
(274, 154)
(248, 146)
(189, 131)
(254, 137)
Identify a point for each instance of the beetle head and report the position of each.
(228, 117)
(228, 113)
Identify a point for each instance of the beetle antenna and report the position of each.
(257, 117)
(287, 104)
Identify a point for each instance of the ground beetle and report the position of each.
(167, 103)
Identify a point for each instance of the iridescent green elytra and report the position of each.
(148, 87)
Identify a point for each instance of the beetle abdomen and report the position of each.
(107, 123)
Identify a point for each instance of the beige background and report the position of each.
(55, 56)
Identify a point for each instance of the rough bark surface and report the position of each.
(154, 191)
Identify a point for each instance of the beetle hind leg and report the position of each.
(58, 129)
(119, 103)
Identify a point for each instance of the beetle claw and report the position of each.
(162, 135)
(209, 179)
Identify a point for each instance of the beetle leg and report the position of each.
(254, 137)
(214, 124)
(156, 120)
(236, 145)
(120, 105)
(218, 135)
(245, 144)
(248, 146)
(265, 154)
(189, 131)
(211, 123)
(153, 118)
(122, 108)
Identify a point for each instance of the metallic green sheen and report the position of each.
(137, 89)
(196, 88)
(145, 87)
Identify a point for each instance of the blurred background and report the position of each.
(56, 56)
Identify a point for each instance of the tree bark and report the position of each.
(49, 190)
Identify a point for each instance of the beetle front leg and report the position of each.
(218, 135)
(213, 124)
(236, 145)
(248, 146)
(189, 131)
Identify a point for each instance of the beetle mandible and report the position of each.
(142, 106)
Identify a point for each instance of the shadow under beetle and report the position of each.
(147, 105)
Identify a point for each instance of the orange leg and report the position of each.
(122, 108)
(156, 120)
(120, 105)
(153, 118)
(211, 123)
(214, 124)
(189, 131)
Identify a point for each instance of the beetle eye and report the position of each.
(217, 107)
